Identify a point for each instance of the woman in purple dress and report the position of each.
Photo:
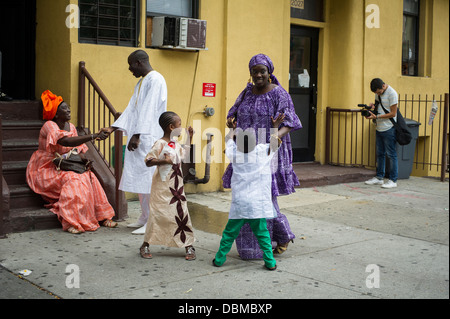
(255, 107)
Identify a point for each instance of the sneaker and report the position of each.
(389, 184)
(374, 181)
(135, 225)
(140, 231)
(4, 97)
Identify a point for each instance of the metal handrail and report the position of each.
(95, 115)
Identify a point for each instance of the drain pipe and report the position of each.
(207, 176)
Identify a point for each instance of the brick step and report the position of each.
(22, 220)
(21, 196)
(14, 172)
(20, 110)
(19, 149)
(21, 129)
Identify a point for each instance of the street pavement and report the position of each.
(353, 241)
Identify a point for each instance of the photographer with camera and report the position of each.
(386, 99)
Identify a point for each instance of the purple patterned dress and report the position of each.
(255, 111)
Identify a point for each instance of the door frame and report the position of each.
(23, 49)
(308, 154)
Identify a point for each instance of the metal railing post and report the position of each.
(327, 136)
(444, 140)
(81, 96)
(2, 227)
(118, 163)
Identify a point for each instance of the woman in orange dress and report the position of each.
(78, 200)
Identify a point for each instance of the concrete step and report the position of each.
(315, 174)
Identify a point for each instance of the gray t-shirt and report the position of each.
(388, 98)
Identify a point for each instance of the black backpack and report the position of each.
(402, 133)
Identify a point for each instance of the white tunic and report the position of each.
(251, 182)
(141, 116)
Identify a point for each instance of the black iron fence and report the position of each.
(350, 138)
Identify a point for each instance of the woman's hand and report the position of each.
(231, 123)
(279, 119)
(108, 130)
(86, 161)
(101, 135)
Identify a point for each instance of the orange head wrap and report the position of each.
(51, 103)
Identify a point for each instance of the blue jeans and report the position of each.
(387, 145)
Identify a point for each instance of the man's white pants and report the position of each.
(144, 199)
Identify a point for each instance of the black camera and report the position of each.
(366, 108)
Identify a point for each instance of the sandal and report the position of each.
(110, 223)
(145, 252)
(73, 230)
(271, 268)
(281, 248)
(190, 253)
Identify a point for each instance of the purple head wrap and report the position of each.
(266, 61)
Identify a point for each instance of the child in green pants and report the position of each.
(259, 228)
(251, 188)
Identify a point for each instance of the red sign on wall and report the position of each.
(209, 89)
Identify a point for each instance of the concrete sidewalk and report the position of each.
(350, 237)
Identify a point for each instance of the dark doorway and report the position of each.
(17, 44)
(303, 90)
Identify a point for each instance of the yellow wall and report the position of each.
(52, 48)
(233, 37)
(353, 55)
(358, 54)
(350, 55)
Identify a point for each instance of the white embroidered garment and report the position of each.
(169, 223)
(251, 182)
(141, 116)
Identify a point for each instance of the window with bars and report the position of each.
(410, 46)
(110, 22)
(174, 8)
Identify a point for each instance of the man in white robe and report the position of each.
(139, 122)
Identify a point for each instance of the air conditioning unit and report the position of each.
(192, 33)
(179, 33)
(165, 32)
